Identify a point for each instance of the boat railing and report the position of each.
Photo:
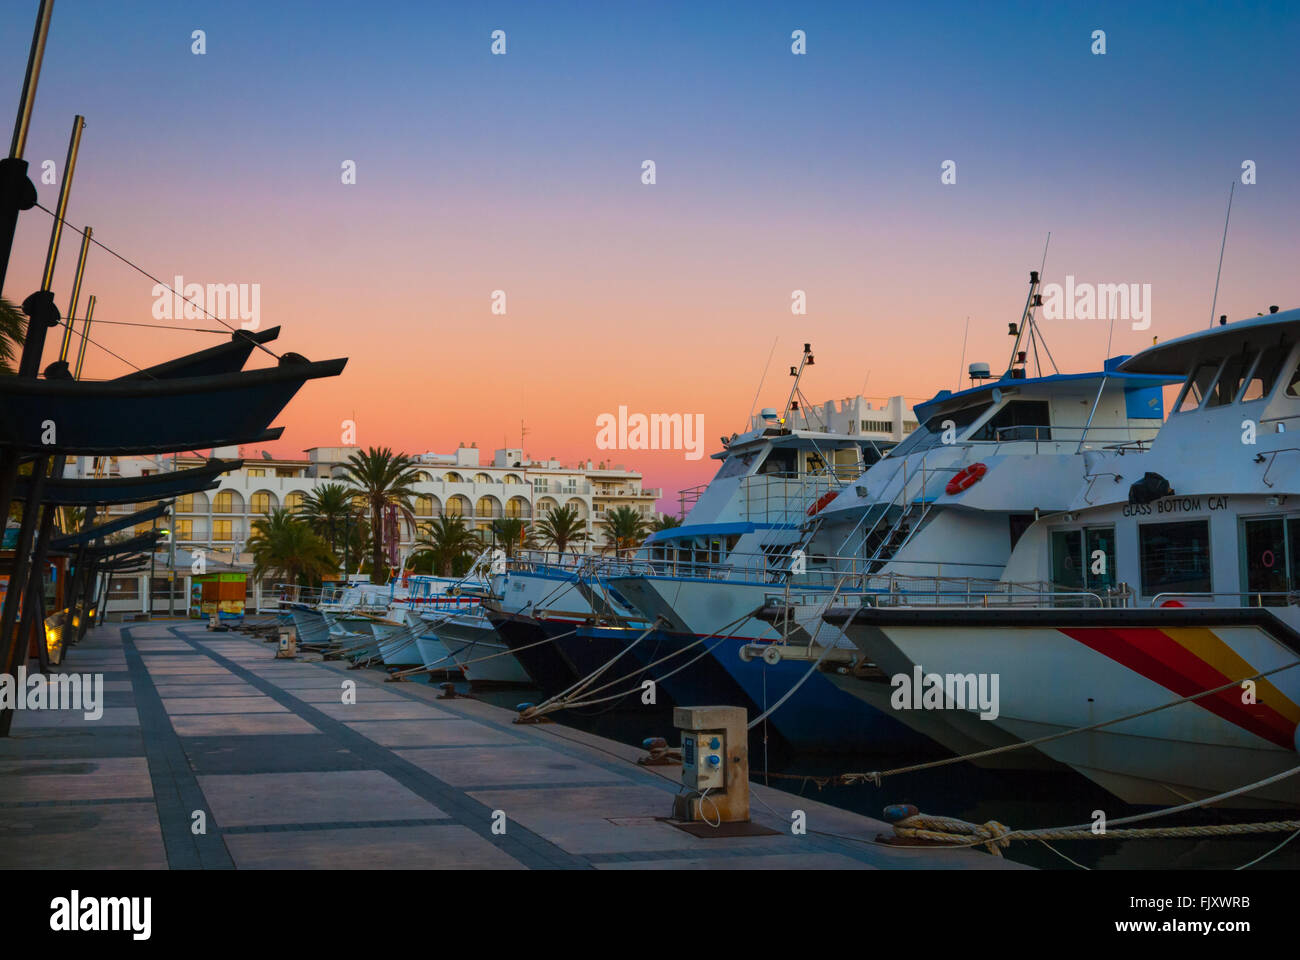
(902, 590)
(784, 499)
(779, 567)
(308, 596)
(1245, 598)
(1067, 439)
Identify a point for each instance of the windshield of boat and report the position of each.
(930, 433)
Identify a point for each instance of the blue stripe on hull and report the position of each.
(819, 717)
(703, 683)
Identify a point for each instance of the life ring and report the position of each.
(965, 478)
(824, 499)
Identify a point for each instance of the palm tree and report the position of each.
(326, 508)
(381, 477)
(70, 519)
(513, 534)
(13, 327)
(665, 521)
(445, 541)
(561, 526)
(285, 545)
(624, 528)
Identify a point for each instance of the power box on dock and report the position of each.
(715, 764)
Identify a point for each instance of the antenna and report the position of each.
(1028, 326)
(761, 381)
(962, 368)
(1215, 302)
(797, 373)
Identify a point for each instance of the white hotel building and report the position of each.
(220, 521)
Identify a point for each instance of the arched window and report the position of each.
(518, 507)
(457, 506)
(261, 502)
(482, 478)
(488, 507)
(511, 478)
(293, 502)
(451, 476)
(224, 502)
(424, 506)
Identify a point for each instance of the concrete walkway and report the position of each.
(202, 726)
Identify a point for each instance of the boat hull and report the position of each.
(481, 655)
(818, 716)
(1058, 670)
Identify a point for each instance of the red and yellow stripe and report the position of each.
(1188, 660)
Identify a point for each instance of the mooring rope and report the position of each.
(734, 624)
(809, 672)
(995, 836)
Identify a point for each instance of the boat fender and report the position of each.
(772, 656)
(900, 811)
(521, 707)
(965, 478)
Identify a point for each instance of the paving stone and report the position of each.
(370, 848)
(317, 797)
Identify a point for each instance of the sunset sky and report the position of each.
(775, 173)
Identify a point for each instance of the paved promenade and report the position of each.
(204, 729)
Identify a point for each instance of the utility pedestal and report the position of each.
(288, 648)
(715, 764)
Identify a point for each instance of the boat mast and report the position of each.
(797, 372)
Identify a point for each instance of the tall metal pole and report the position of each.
(26, 569)
(42, 314)
(17, 192)
(153, 554)
(71, 317)
(171, 557)
(85, 335)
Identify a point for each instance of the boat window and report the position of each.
(1019, 523)
(780, 461)
(1084, 559)
(1293, 387)
(1266, 558)
(813, 464)
(930, 433)
(1018, 420)
(1197, 385)
(1067, 559)
(1267, 369)
(735, 465)
(1175, 557)
(1228, 385)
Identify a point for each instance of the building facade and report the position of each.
(219, 522)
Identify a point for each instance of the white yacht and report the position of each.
(1176, 571)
